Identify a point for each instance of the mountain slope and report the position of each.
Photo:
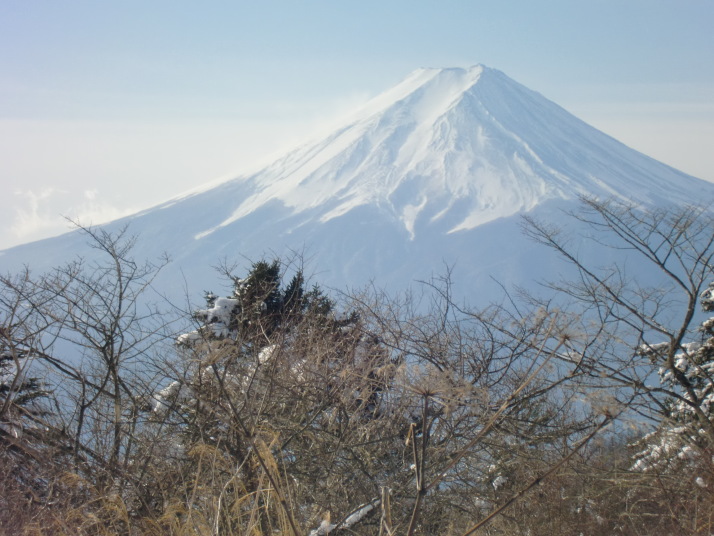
(433, 171)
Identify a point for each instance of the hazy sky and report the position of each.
(110, 107)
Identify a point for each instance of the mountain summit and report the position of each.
(459, 146)
(435, 170)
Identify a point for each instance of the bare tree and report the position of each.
(619, 316)
(487, 392)
(92, 330)
(640, 347)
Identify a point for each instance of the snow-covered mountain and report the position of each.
(432, 172)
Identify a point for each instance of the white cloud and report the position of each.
(31, 214)
(46, 211)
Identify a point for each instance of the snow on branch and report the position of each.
(355, 517)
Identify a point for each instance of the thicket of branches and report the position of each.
(283, 410)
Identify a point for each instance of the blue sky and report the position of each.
(110, 107)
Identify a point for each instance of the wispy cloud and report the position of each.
(43, 212)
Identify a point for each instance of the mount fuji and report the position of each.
(433, 172)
